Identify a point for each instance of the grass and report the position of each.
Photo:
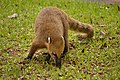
(92, 59)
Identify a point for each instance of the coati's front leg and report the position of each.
(35, 45)
(32, 51)
(66, 46)
(66, 40)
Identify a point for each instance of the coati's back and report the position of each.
(49, 25)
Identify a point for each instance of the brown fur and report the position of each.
(51, 28)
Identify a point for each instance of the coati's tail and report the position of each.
(82, 28)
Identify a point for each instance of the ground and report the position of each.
(90, 59)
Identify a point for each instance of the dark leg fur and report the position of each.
(28, 57)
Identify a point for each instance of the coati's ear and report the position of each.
(63, 40)
(47, 43)
(48, 40)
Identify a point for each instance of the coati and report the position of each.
(51, 29)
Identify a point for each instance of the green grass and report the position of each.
(92, 59)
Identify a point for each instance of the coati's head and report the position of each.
(55, 45)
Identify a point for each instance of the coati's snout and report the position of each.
(57, 60)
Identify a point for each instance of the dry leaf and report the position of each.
(13, 16)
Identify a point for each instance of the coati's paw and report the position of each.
(29, 57)
(25, 61)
